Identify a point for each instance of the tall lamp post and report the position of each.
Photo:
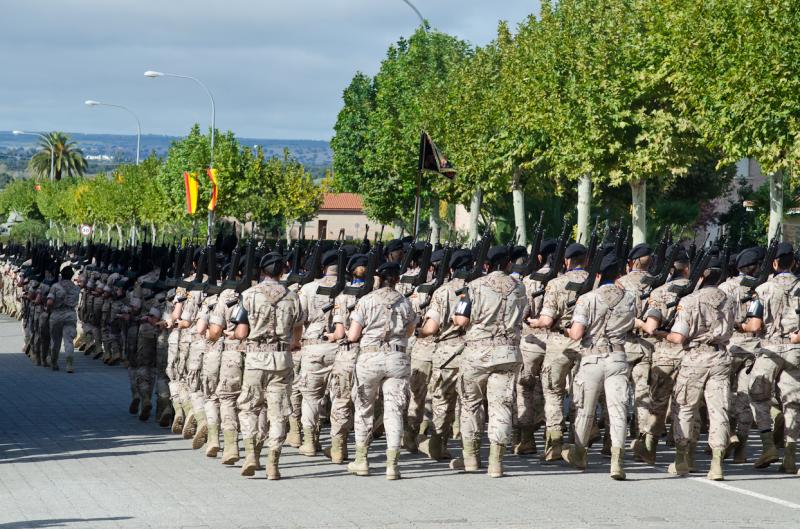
(152, 75)
(47, 140)
(92, 103)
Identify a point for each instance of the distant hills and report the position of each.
(16, 150)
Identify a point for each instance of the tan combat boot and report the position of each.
(778, 427)
(646, 449)
(273, 457)
(575, 456)
(527, 443)
(230, 452)
(496, 452)
(617, 458)
(336, 452)
(392, 470)
(740, 450)
(308, 448)
(178, 418)
(213, 440)
(359, 466)
(201, 433)
(552, 446)
(789, 465)
(715, 472)
(189, 424)
(250, 461)
(257, 447)
(133, 408)
(410, 440)
(146, 408)
(769, 453)
(691, 450)
(680, 467)
(293, 438)
(432, 446)
(164, 414)
(69, 365)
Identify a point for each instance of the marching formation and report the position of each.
(425, 345)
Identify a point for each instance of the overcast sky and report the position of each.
(277, 69)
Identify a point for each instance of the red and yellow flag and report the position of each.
(212, 175)
(192, 191)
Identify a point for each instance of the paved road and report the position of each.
(71, 456)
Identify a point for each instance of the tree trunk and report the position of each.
(108, 233)
(153, 233)
(434, 221)
(474, 214)
(639, 211)
(121, 239)
(518, 200)
(584, 207)
(289, 233)
(775, 202)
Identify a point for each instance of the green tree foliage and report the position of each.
(19, 196)
(349, 142)
(68, 159)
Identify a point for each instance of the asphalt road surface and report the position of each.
(71, 456)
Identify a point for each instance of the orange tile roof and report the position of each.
(342, 202)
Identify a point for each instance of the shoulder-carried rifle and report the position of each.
(698, 267)
(765, 269)
(533, 263)
(558, 262)
(593, 259)
(480, 258)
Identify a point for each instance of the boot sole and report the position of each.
(230, 460)
(212, 452)
(200, 437)
(766, 464)
(618, 477)
(247, 472)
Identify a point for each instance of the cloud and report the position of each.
(277, 68)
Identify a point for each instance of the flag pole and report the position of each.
(418, 200)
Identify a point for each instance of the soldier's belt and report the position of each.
(313, 341)
(707, 348)
(387, 348)
(783, 340)
(232, 345)
(496, 341)
(264, 346)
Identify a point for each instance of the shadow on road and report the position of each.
(60, 522)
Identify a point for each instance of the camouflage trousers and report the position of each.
(444, 387)
(143, 366)
(209, 380)
(385, 370)
(192, 387)
(42, 338)
(271, 388)
(230, 384)
(560, 359)
(741, 413)
(496, 384)
(62, 328)
(162, 356)
(296, 398)
(312, 381)
(663, 373)
(173, 369)
(340, 389)
(640, 353)
(777, 364)
(112, 345)
(606, 374)
(529, 392)
(88, 335)
(703, 373)
(421, 371)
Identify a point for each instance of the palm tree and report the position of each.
(68, 158)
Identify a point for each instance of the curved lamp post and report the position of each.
(92, 103)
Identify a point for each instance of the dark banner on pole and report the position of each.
(431, 159)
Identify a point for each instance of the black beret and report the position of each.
(358, 259)
(605, 250)
(349, 250)
(784, 249)
(408, 239)
(329, 258)
(548, 246)
(197, 254)
(609, 261)
(518, 252)
(389, 268)
(497, 254)
(715, 262)
(748, 257)
(437, 256)
(640, 250)
(270, 259)
(393, 246)
(575, 249)
(460, 259)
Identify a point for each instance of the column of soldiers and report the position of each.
(429, 348)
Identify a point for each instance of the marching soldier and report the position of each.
(61, 303)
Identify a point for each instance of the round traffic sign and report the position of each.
(86, 230)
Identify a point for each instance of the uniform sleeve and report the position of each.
(438, 306)
(303, 295)
(189, 309)
(682, 323)
(582, 311)
(359, 314)
(656, 307)
(339, 310)
(217, 316)
(550, 302)
(52, 294)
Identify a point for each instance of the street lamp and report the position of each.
(47, 140)
(421, 18)
(152, 75)
(92, 103)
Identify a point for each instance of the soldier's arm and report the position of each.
(357, 322)
(755, 315)
(680, 329)
(549, 309)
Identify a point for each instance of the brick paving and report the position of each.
(71, 456)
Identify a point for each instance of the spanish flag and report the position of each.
(212, 175)
(191, 186)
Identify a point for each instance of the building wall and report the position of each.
(352, 222)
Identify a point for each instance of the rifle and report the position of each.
(698, 266)
(373, 260)
(558, 263)
(765, 269)
(480, 260)
(661, 274)
(441, 274)
(338, 287)
(660, 252)
(249, 265)
(594, 258)
(364, 248)
(533, 263)
(313, 267)
(725, 257)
